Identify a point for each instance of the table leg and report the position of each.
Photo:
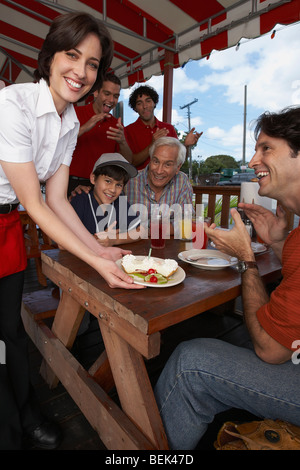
(67, 320)
(134, 387)
(101, 372)
(115, 429)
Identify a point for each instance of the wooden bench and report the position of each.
(41, 304)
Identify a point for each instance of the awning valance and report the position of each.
(148, 35)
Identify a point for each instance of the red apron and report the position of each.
(12, 248)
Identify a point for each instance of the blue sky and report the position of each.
(269, 68)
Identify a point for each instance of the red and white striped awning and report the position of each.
(149, 35)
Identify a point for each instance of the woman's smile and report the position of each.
(73, 73)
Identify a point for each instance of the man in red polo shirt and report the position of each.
(142, 133)
(99, 133)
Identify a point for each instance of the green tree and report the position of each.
(213, 164)
(195, 168)
(217, 163)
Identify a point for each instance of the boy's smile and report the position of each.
(106, 189)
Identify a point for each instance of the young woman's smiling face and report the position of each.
(73, 72)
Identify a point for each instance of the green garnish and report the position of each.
(160, 278)
(147, 277)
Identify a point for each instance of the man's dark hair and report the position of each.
(65, 33)
(111, 77)
(283, 125)
(143, 90)
(112, 171)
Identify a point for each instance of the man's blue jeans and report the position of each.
(204, 377)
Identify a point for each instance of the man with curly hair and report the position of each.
(142, 133)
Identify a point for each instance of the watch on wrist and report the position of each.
(242, 266)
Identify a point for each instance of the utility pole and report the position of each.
(245, 123)
(189, 123)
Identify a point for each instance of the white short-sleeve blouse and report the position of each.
(32, 130)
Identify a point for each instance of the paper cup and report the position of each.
(249, 194)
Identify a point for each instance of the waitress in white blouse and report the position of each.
(38, 133)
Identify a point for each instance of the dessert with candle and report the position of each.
(148, 268)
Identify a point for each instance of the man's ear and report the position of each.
(178, 169)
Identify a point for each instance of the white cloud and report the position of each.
(269, 68)
(215, 133)
(182, 83)
(228, 142)
(176, 117)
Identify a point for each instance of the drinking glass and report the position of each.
(186, 224)
(157, 232)
(200, 240)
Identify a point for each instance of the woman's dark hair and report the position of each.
(65, 33)
(284, 125)
(143, 90)
(113, 171)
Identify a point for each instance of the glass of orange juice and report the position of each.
(185, 223)
(186, 228)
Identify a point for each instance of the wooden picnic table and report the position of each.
(130, 322)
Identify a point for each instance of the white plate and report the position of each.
(210, 259)
(175, 279)
(258, 247)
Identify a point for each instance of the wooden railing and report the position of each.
(212, 192)
(226, 192)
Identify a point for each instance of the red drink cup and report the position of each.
(200, 240)
(157, 233)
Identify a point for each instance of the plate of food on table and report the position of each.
(152, 272)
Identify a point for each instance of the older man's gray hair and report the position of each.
(171, 142)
